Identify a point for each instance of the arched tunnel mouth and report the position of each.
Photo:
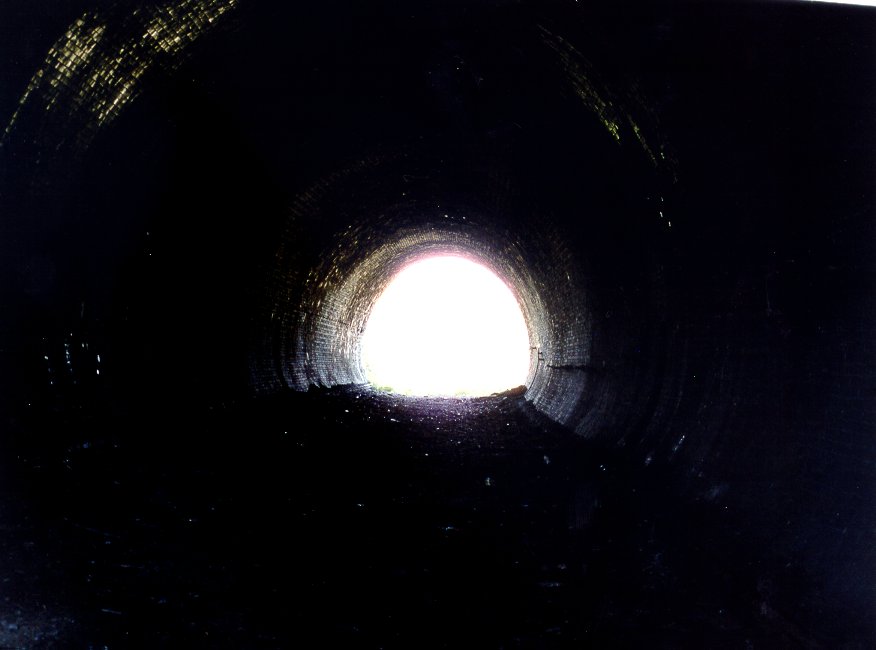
(451, 305)
(322, 344)
(345, 309)
(205, 201)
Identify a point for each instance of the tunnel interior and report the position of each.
(201, 202)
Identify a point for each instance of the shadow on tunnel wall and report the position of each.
(201, 200)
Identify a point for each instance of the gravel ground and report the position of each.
(358, 519)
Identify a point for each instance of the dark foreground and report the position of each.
(348, 519)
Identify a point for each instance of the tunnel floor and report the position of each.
(347, 517)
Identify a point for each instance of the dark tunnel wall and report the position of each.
(680, 196)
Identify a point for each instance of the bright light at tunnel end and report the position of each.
(446, 326)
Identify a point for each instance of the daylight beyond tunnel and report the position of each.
(446, 326)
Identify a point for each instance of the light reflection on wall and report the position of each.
(616, 114)
(94, 70)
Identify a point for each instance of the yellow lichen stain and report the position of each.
(615, 115)
(95, 69)
(71, 53)
(581, 75)
(642, 141)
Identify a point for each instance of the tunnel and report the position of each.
(201, 203)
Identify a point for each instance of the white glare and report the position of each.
(863, 3)
(446, 326)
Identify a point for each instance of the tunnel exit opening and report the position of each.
(446, 326)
